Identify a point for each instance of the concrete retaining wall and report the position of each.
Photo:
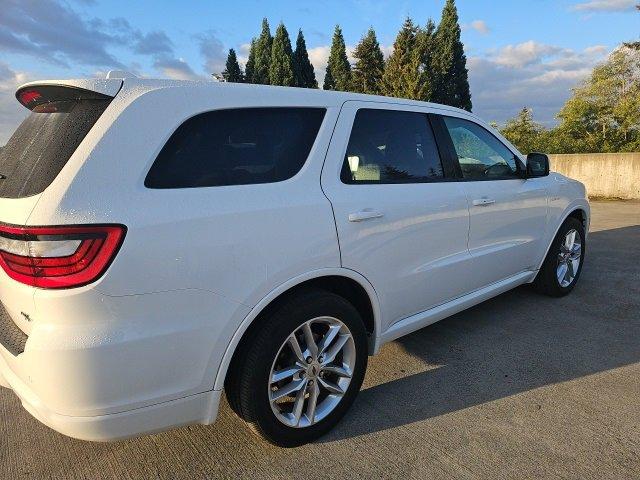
(609, 175)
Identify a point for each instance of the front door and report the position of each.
(508, 213)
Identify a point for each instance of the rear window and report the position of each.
(46, 139)
(236, 147)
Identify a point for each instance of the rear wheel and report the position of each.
(563, 264)
(301, 369)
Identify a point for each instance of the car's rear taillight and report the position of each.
(58, 257)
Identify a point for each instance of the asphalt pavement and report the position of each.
(521, 386)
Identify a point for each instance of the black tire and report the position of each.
(247, 381)
(546, 281)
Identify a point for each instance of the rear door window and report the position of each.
(236, 147)
(388, 146)
(43, 143)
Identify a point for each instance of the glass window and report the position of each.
(388, 146)
(46, 139)
(237, 147)
(481, 155)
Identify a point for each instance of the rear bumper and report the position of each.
(105, 368)
(199, 408)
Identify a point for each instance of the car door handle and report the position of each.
(481, 202)
(366, 214)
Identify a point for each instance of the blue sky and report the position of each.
(520, 52)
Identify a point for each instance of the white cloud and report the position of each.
(605, 6)
(11, 112)
(243, 54)
(176, 69)
(479, 26)
(319, 56)
(535, 75)
(522, 54)
(213, 51)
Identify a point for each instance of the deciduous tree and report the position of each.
(527, 135)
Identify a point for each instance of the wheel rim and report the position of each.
(311, 372)
(569, 258)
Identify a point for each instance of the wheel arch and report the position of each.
(579, 211)
(345, 282)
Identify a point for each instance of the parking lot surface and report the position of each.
(521, 386)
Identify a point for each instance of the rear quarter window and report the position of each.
(236, 147)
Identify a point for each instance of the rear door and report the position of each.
(401, 222)
(507, 212)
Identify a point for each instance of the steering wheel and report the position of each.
(497, 170)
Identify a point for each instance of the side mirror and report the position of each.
(537, 165)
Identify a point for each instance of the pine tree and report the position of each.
(232, 72)
(281, 68)
(263, 55)
(401, 76)
(249, 69)
(302, 69)
(369, 67)
(338, 74)
(451, 85)
(425, 51)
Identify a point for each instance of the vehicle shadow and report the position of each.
(513, 343)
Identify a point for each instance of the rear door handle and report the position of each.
(481, 202)
(366, 214)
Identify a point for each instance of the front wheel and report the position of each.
(563, 264)
(301, 369)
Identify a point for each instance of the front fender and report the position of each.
(577, 204)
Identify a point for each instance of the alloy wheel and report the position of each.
(311, 372)
(569, 258)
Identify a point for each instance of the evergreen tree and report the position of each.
(263, 55)
(249, 69)
(232, 72)
(338, 75)
(302, 69)
(451, 85)
(425, 51)
(369, 67)
(281, 68)
(401, 76)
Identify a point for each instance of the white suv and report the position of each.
(164, 240)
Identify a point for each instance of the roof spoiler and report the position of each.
(35, 94)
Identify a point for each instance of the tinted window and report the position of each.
(481, 155)
(44, 142)
(236, 147)
(388, 146)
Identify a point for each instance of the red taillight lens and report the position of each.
(28, 96)
(58, 257)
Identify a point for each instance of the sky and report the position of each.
(519, 52)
